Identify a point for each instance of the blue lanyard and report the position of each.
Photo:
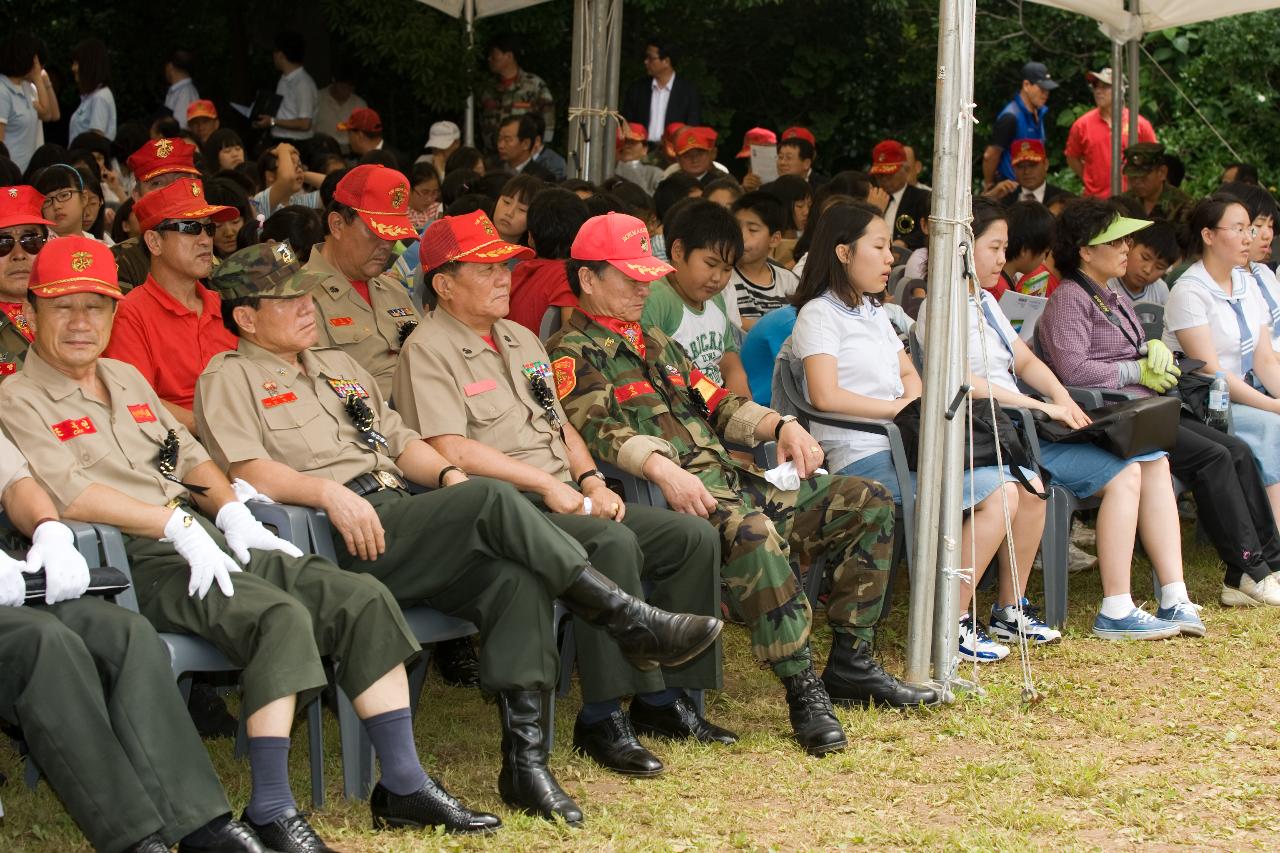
(991, 321)
(1271, 302)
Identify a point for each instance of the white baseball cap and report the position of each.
(442, 135)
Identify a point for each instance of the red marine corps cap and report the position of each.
(381, 197)
(470, 239)
(694, 138)
(74, 265)
(888, 157)
(201, 109)
(160, 156)
(182, 199)
(800, 133)
(623, 241)
(21, 206)
(757, 136)
(1027, 150)
(364, 120)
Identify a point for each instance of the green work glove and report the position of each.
(1159, 358)
(1157, 380)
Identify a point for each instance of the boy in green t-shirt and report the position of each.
(704, 241)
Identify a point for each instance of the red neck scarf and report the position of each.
(631, 332)
(13, 310)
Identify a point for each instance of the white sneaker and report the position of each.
(1251, 593)
(976, 645)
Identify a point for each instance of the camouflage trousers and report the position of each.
(847, 520)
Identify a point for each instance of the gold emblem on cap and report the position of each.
(644, 243)
(483, 222)
(81, 261)
(195, 189)
(284, 253)
(164, 147)
(397, 196)
(13, 192)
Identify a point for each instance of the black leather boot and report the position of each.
(612, 744)
(458, 663)
(853, 677)
(813, 719)
(525, 782)
(430, 805)
(648, 637)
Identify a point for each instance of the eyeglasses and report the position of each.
(189, 226)
(58, 197)
(30, 243)
(1239, 230)
(1126, 241)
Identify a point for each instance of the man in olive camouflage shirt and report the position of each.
(512, 91)
(640, 404)
(1146, 167)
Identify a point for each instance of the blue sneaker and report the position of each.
(1007, 623)
(1138, 625)
(976, 645)
(1186, 616)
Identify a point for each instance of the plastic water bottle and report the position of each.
(1219, 399)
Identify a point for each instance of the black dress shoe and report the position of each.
(232, 837)
(430, 805)
(854, 677)
(812, 718)
(612, 744)
(678, 721)
(457, 662)
(150, 844)
(289, 833)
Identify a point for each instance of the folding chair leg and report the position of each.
(31, 773)
(699, 699)
(357, 751)
(1053, 556)
(315, 751)
(241, 749)
(568, 656)
(417, 679)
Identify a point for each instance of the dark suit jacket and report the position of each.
(1050, 193)
(685, 104)
(915, 204)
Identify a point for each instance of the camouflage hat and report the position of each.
(1142, 157)
(267, 270)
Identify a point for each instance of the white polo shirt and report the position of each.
(299, 100)
(998, 366)
(866, 350)
(1196, 300)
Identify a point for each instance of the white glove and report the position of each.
(207, 561)
(66, 574)
(245, 492)
(243, 532)
(13, 589)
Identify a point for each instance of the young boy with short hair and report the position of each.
(1155, 250)
(758, 283)
(704, 241)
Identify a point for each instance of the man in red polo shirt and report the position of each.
(1089, 142)
(171, 326)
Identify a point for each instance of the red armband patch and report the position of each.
(142, 413)
(712, 393)
(69, 429)
(278, 400)
(632, 389)
(566, 374)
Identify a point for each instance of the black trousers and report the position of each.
(1230, 497)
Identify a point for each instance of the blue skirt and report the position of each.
(879, 467)
(1261, 431)
(1085, 468)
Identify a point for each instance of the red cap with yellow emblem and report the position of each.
(381, 197)
(689, 138)
(1027, 151)
(21, 205)
(888, 157)
(74, 265)
(182, 199)
(201, 109)
(160, 156)
(798, 132)
(470, 239)
(623, 241)
(757, 136)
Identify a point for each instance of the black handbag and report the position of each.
(1193, 388)
(1127, 428)
(984, 436)
(103, 581)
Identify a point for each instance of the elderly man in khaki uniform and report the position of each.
(479, 389)
(106, 451)
(358, 308)
(81, 677)
(309, 426)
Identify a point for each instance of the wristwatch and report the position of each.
(782, 421)
(594, 472)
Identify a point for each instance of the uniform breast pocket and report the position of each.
(345, 331)
(296, 433)
(89, 450)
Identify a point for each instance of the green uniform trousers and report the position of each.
(91, 687)
(479, 551)
(669, 560)
(848, 520)
(287, 613)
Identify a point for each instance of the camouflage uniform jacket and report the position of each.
(133, 264)
(627, 406)
(13, 343)
(528, 93)
(1173, 205)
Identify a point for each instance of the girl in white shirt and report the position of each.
(1137, 494)
(1261, 207)
(1216, 314)
(854, 364)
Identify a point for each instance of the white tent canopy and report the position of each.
(1155, 14)
(482, 8)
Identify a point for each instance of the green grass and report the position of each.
(1134, 746)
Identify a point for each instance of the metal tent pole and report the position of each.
(609, 127)
(469, 132)
(1135, 9)
(598, 34)
(1117, 114)
(577, 140)
(952, 172)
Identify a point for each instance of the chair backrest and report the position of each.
(550, 323)
(1151, 315)
(895, 276)
(916, 347)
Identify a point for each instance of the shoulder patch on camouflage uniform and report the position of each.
(566, 374)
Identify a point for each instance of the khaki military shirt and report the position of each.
(72, 440)
(252, 404)
(369, 333)
(451, 382)
(12, 466)
(14, 340)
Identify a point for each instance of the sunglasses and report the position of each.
(30, 243)
(189, 226)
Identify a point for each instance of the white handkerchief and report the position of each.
(786, 477)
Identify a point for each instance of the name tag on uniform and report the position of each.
(632, 389)
(69, 429)
(340, 321)
(399, 312)
(344, 388)
(479, 387)
(142, 413)
(279, 399)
